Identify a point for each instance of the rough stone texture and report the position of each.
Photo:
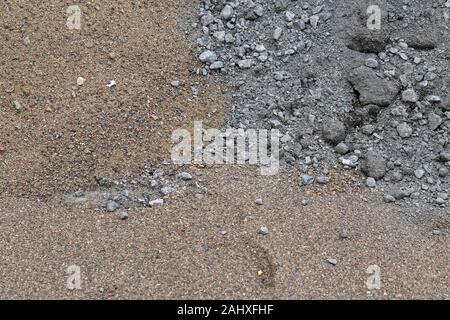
(333, 131)
(368, 42)
(371, 88)
(374, 165)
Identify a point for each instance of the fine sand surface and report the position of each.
(180, 250)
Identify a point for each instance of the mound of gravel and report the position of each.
(341, 94)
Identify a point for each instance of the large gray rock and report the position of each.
(333, 131)
(368, 42)
(421, 40)
(374, 165)
(371, 88)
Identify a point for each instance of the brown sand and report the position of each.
(179, 251)
(65, 141)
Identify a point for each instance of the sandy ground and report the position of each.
(181, 251)
(66, 135)
(64, 139)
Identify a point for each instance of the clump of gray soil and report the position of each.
(342, 94)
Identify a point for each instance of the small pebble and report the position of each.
(167, 190)
(322, 180)
(307, 180)
(343, 235)
(153, 184)
(263, 231)
(111, 206)
(371, 182)
(175, 83)
(372, 63)
(111, 84)
(227, 12)
(305, 201)
(277, 33)
(208, 57)
(419, 173)
(184, 176)
(78, 194)
(124, 215)
(332, 261)
(26, 41)
(389, 199)
(156, 202)
(17, 105)
(80, 81)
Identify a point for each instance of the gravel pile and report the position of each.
(341, 94)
